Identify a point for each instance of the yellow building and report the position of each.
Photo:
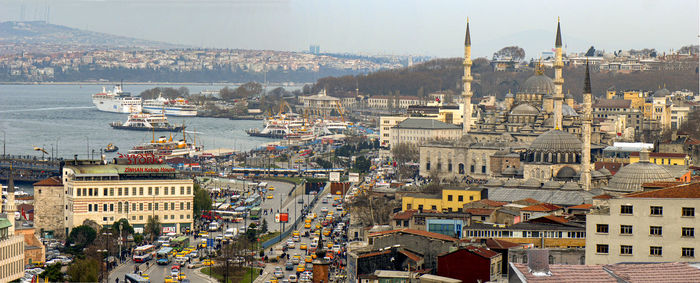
(636, 97)
(107, 193)
(451, 200)
(662, 158)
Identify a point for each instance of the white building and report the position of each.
(651, 226)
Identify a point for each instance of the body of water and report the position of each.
(63, 120)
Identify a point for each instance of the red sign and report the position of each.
(141, 158)
(149, 170)
(282, 217)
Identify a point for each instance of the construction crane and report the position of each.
(339, 107)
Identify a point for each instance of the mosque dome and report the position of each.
(662, 93)
(524, 109)
(531, 184)
(551, 184)
(538, 84)
(631, 177)
(566, 110)
(570, 186)
(556, 141)
(605, 172)
(566, 172)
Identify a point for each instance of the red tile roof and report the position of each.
(50, 182)
(564, 273)
(404, 215)
(549, 219)
(492, 202)
(585, 206)
(603, 196)
(655, 272)
(545, 207)
(479, 211)
(528, 200)
(661, 154)
(492, 243)
(415, 232)
(682, 191)
(412, 256)
(613, 167)
(480, 251)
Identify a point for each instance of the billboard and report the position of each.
(282, 217)
(354, 177)
(335, 177)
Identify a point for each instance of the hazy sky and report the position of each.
(434, 28)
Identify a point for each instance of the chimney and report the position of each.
(644, 155)
(538, 262)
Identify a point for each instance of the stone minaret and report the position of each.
(10, 204)
(467, 82)
(586, 132)
(558, 81)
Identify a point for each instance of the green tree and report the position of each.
(80, 237)
(263, 226)
(153, 228)
(84, 270)
(362, 164)
(202, 201)
(53, 273)
(126, 228)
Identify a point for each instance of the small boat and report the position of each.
(147, 122)
(111, 148)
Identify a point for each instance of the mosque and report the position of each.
(536, 142)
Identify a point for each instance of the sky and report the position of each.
(379, 27)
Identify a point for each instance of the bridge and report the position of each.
(253, 171)
(28, 168)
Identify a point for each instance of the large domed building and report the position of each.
(629, 179)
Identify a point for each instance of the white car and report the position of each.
(292, 278)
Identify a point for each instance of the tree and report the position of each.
(405, 152)
(126, 228)
(263, 226)
(202, 200)
(84, 270)
(80, 237)
(513, 52)
(590, 52)
(362, 164)
(153, 228)
(53, 273)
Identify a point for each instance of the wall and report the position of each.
(428, 247)
(48, 216)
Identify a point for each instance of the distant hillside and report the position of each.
(41, 37)
(446, 75)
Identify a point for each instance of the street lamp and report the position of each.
(105, 261)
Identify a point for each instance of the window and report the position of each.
(483, 169)
(433, 207)
(156, 206)
(182, 190)
(688, 212)
(140, 191)
(460, 198)
(165, 205)
(602, 228)
(188, 205)
(471, 197)
(150, 191)
(157, 189)
(526, 216)
(657, 210)
(427, 165)
(165, 191)
(420, 207)
(119, 191)
(77, 192)
(104, 207)
(626, 229)
(625, 250)
(133, 191)
(172, 190)
(111, 192)
(688, 232)
(601, 249)
(449, 197)
(111, 207)
(626, 209)
(182, 206)
(133, 207)
(150, 206)
(408, 206)
(89, 207)
(172, 206)
(471, 168)
(655, 251)
(687, 252)
(449, 167)
(104, 192)
(551, 259)
(141, 206)
(655, 230)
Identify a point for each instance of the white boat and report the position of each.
(174, 107)
(167, 148)
(147, 122)
(116, 101)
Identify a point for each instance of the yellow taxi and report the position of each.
(302, 246)
(326, 232)
(270, 196)
(330, 213)
(301, 267)
(295, 233)
(318, 225)
(181, 277)
(168, 279)
(207, 262)
(145, 276)
(336, 198)
(307, 225)
(307, 220)
(313, 215)
(271, 188)
(313, 255)
(329, 245)
(308, 258)
(203, 233)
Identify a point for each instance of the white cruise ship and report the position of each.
(116, 101)
(174, 107)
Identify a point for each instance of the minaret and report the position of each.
(586, 132)
(558, 81)
(10, 204)
(467, 82)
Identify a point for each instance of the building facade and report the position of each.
(107, 193)
(653, 226)
(419, 131)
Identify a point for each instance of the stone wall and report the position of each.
(49, 209)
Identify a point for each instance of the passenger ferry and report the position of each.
(172, 107)
(147, 122)
(116, 101)
(167, 148)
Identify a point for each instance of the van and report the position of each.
(214, 226)
(230, 233)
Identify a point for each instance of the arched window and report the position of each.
(119, 207)
(524, 258)
(551, 259)
(461, 168)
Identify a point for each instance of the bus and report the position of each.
(144, 253)
(180, 243)
(232, 216)
(135, 278)
(163, 256)
(255, 213)
(253, 201)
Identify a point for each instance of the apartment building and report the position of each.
(651, 226)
